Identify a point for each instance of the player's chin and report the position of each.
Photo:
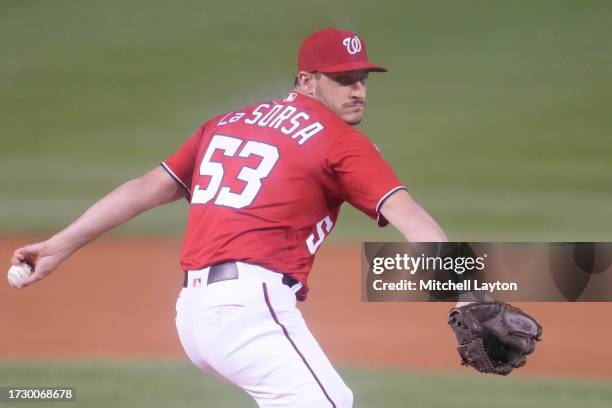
(353, 117)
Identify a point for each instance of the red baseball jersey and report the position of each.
(266, 184)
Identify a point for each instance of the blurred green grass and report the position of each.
(495, 114)
(178, 383)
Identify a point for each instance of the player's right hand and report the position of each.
(41, 257)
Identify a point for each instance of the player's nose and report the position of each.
(358, 89)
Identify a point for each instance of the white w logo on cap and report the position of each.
(352, 44)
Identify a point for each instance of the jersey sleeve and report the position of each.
(180, 165)
(363, 177)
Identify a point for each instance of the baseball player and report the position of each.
(265, 184)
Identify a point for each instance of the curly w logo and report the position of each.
(352, 44)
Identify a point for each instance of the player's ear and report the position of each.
(305, 82)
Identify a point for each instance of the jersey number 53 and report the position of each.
(252, 176)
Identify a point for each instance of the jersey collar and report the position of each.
(303, 100)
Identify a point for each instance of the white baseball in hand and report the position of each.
(17, 273)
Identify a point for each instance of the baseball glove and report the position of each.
(494, 337)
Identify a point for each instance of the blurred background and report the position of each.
(496, 115)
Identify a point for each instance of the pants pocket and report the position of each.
(215, 317)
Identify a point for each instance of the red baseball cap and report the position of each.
(333, 50)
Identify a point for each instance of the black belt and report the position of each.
(229, 271)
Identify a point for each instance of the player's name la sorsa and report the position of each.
(288, 119)
(449, 285)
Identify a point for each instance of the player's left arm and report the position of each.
(514, 337)
(415, 224)
(410, 219)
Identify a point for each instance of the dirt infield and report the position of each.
(116, 298)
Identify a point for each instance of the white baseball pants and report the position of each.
(249, 331)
